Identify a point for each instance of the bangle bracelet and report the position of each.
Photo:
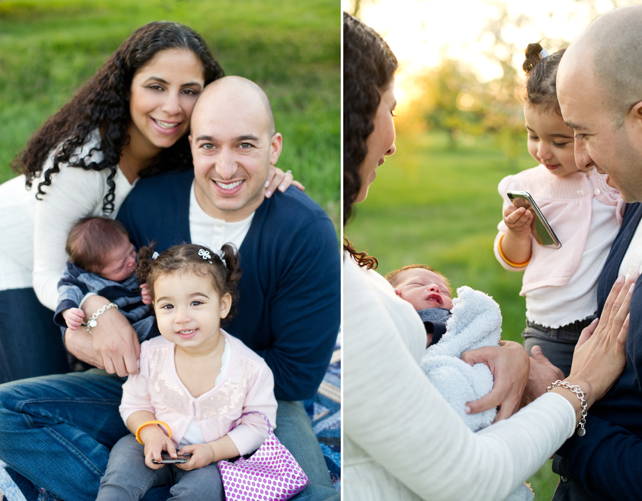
(514, 265)
(147, 423)
(579, 394)
(93, 320)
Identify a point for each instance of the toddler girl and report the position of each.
(560, 285)
(195, 382)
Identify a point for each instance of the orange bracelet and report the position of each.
(514, 265)
(162, 423)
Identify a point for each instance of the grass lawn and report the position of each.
(440, 207)
(48, 48)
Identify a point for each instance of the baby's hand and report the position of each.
(156, 444)
(146, 294)
(202, 455)
(519, 220)
(73, 317)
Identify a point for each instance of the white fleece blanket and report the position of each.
(476, 322)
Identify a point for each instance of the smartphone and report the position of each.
(167, 459)
(542, 231)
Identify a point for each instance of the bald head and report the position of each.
(610, 48)
(236, 93)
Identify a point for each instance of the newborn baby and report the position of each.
(472, 320)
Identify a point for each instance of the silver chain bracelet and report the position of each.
(579, 394)
(93, 322)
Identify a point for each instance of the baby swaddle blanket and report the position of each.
(476, 322)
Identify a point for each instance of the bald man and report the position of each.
(289, 292)
(599, 86)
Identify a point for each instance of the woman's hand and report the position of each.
(510, 366)
(599, 356)
(277, 179)
(114, 340)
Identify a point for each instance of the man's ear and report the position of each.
(275, 148)
(226, 304)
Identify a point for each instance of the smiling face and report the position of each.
(423, 289)
(189, 310)
(380, 143)
(120, 262)
(233, 145)
(162, 97)
(613, 149)
(550, 141)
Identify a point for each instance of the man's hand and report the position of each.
(510, 367)
(114, 340)
(541, 374)
(73, 318)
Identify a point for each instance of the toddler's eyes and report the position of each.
(167, 307)
(195, 303)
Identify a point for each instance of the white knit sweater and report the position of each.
(402, 440)
(33, 233)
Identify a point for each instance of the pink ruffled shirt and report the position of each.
(247, 385)
(567, 205)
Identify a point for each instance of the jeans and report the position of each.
(57, 432)
(128, 477)
(30, 343)
(557, 345)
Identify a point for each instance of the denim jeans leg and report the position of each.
(30, 342)
(204, 484)
(127, 476)
(294, 430)
(57, 430)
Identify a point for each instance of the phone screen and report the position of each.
(167, 459)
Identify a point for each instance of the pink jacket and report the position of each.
(567, 205)
(247, 385)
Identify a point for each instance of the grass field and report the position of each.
(440, 207)
(48, 48)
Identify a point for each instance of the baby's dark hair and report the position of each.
(393, 276)
(541, 73)
(91, 239)
(224, 272)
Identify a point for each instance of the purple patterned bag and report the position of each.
(270, 474)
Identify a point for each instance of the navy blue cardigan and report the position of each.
(606, 463)
(289, 292)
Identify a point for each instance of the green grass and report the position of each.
(48, 48)
(440, 207)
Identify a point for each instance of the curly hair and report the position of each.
(541, 74)
(224, 272)
(103, 103)
(368, 69)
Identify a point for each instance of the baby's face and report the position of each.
(120, 262)
(423, 289)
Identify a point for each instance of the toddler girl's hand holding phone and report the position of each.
(519, 218)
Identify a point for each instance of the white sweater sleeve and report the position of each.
(408, 432)
(74, 193)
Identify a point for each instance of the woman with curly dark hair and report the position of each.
(130, 120)
(402, 440)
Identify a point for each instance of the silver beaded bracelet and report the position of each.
(579, 394)
(93, 322)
